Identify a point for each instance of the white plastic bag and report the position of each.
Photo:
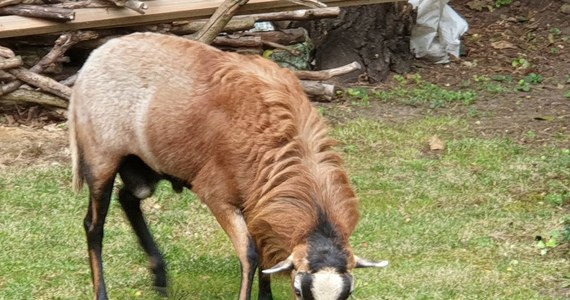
(437, 31)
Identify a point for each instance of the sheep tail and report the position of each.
(78, 179)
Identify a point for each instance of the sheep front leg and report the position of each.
(233, 223)
(264, 286)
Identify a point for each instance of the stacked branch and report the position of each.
(60, 10)
(33, 85)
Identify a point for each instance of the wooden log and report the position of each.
(299, 15)
(6, 77)
(283, 37)
(44, 83)
(43, 2)
(237, 23)
(274, 39)
(238, 41)
(6, 52)
(85, 4)
(273, 45)
(319, 91)
(9, 63)
(328, 74)
(9, 2)
(33, 97)
(37, 11)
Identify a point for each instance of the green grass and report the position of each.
(414, 91)
(456, 224)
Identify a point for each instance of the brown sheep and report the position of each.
(237, 130)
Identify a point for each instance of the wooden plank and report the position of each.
(158, 11)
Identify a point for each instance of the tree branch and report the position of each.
(218, 21)
(45, 83)
(31, 96)
(328, 74)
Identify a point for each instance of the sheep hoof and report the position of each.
(161, 290)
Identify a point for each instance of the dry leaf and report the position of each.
(502, 45)
(478, 5)
(435, 143)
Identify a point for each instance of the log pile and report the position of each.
(40, 69)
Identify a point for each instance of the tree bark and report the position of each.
(376, 36)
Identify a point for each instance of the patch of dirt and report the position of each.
(25, 146)
(32, 136)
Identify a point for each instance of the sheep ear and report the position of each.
(365, 263)
(285, 265)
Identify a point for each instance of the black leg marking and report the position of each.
(264, 286)
(94, 223)
(139, 183)
(253, 261)
(131, 207)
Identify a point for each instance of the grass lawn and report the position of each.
(460, 223)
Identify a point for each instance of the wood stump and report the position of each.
(376, 36)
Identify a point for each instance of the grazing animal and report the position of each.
(237, 130)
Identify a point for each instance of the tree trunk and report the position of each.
(376, 36)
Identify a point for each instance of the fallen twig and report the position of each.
(328, 74)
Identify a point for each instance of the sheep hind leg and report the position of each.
(100, 184)
(139, 183)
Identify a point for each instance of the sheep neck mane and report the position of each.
(298, 182)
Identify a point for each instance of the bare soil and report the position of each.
(538, 32)
(534, 30)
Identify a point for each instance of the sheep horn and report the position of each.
(365, 263)
(284, 265)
